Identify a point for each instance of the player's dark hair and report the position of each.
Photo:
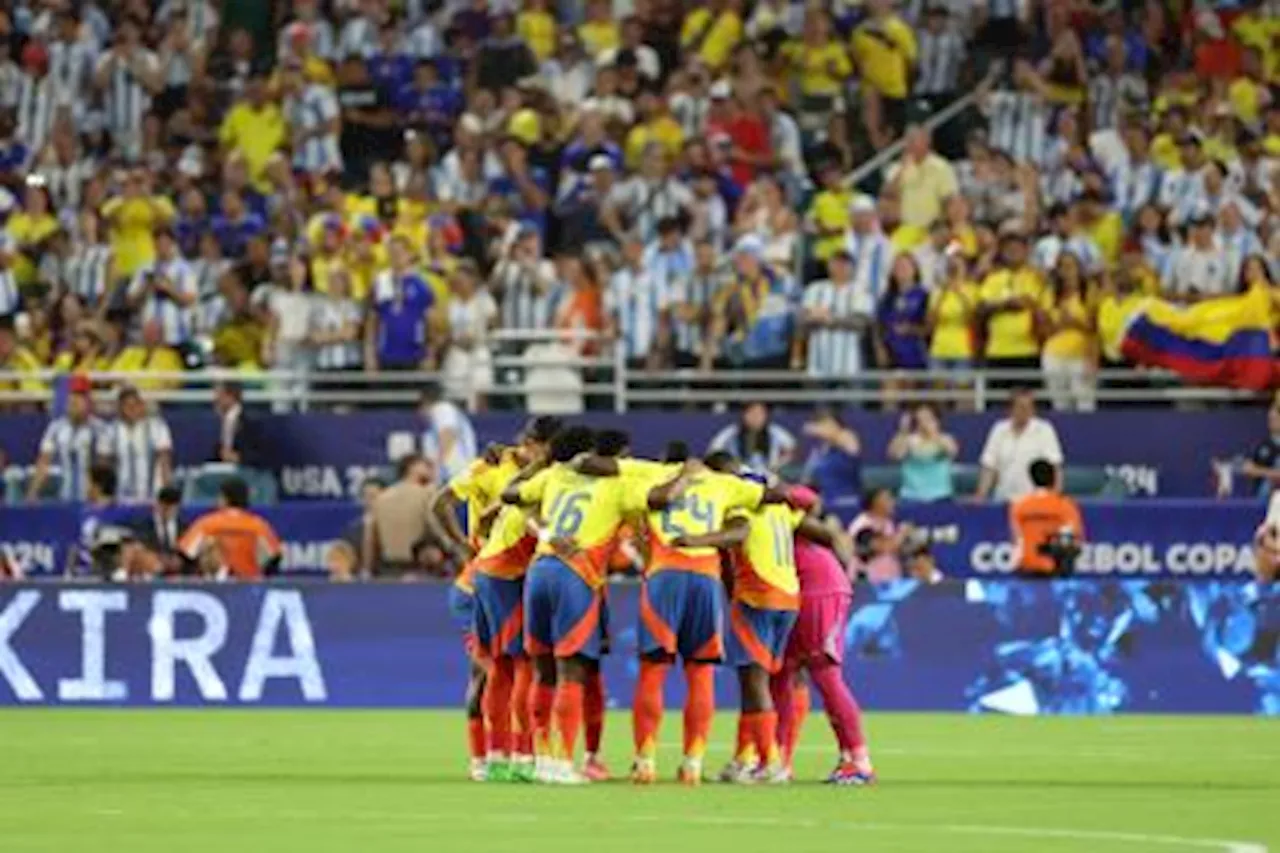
(612, 443)
(235, 492)
(1042, 473)
(104, 480)
(722, 461)
(405, 463)
(543, 428)
(169, 496)
(677, 451)
(571, 441)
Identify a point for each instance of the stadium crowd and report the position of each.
(381, 185)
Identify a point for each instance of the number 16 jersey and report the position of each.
(582, 510)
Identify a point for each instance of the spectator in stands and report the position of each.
(165, 290)
(877, 539)
(17, 359)
(151, 355)
(1008, 300)
(953, 309)
(342, 562)
(923, 179)
(925, 454)
(139, 446)
(1012, 445)
(1068, 327)
(885, 50)
(232, 543)
(760, 443)
(902, 342)
(399, 331)
(401, 529)
(468, 362)
(834, 466)
(71, 443)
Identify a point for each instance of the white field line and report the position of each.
(1084, 836)
(1017, 752)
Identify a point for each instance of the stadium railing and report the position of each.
(567, 382)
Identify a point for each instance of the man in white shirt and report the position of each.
(870, 251)
(1200, 269)
(1012, 445)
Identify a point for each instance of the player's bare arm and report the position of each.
(734, 533)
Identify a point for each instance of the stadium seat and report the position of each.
(202, 484)
(1091, 482)
(882, 477)
(17, 479)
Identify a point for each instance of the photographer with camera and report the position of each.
(887, 550)
(1047, 531)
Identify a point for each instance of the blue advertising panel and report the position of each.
(1151, 539)
(327, 456)
(1070, 647)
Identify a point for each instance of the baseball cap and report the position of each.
(862, 204)
(720, 89)
(749, 245)
(600, 162)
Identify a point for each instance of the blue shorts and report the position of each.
(682, 613)
(462, 610)
(499, 615)
(758, 636)
(561, 612)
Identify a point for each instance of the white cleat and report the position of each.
(564, 773)
(776, 774)
(479, 770)
(737, 773)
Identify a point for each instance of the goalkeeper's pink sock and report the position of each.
(842, 709)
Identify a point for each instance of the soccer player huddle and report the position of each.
(549, 517)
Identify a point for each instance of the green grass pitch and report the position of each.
(246, 781)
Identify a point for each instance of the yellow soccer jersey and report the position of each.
(509, 547)
(481, 485)
(764, 574)
(708, 500)
(584, 511)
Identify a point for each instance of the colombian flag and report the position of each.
(1224, 341)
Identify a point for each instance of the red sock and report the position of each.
(521, 688)
(744, 752)
(593, 710)
(542, 699)
(800, 703)
(646, 710)
(497, 705)
(782, 689)
(766, 737)
(699, 709)
(477, 743)
(568, 714)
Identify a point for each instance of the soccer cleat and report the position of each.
(736, 773)
(522, 769)
(849, 773)
(564, 773)
(644, 772)
(772, 774)
(594, 769)
(690, 772)
(478, 770)
(500, 771)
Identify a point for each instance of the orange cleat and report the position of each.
(595, 770)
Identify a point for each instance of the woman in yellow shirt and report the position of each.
(133, 217)
(537, 27)
(952, 309)
(821, 64)
(600, 31)
(30, 230)
(713, 32)
(1068, 325)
